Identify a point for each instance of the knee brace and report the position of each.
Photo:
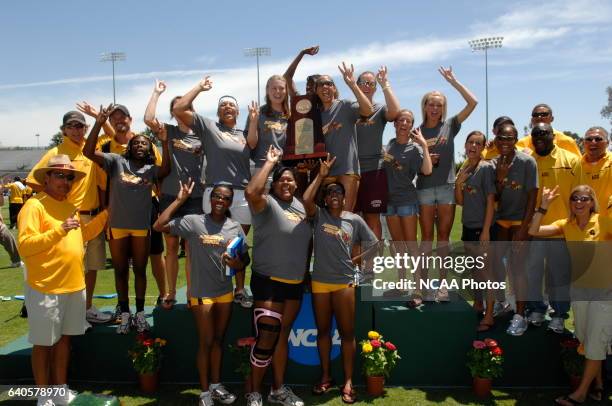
(262, 357)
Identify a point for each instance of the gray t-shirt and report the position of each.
(402, 163)
(440, 140)
(369, 138)
(522, 177)
(130, 192)
(476, 188)
(227, 153)
(271, 130)
(186, 152)
(340, 140)
(333, 243)
(207, 242)
(281, 235)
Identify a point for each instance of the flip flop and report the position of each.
(567, 400)
(349, 397)
(322, 388)
(168, 304)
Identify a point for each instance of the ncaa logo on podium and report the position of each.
(303, 336)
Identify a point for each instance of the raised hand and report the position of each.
(102, 116)
(347, 74)
(447, 74)
(417, 136)
(253, 111)
(185, 190)
(160, 86)
(205, 84)
(326, 165)
(160, 131)
(464, 173)
(381, 76)
(311, 51)
(273, 155)
(503, 167)
(548, 195)
(87, 109)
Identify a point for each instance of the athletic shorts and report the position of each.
(193, 205)
(239, 209)
(372, 196)
(402, 211)
(265, 288)
(470, 234)
(322, 287)
(119, 233)
(157, 241)
(95, 250)
(50, 316)
(443, 194)
(198, 301)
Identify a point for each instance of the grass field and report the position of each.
(12, 326)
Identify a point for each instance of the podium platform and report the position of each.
(433, 341)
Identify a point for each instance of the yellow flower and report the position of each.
(367, 347)
(162, 342)
(373, 335)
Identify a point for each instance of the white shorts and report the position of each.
(50, 316)
(593, 321)
(239, 208)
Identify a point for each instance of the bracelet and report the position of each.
(541, 210)
(385, 87)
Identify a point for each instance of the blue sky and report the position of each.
(557, 52)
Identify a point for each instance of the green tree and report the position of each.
(56, 139)
(576, 138)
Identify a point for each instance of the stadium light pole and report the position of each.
(113, 57)
(37, 140)
(257, 52)
(483, 44)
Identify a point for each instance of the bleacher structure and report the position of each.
(19, 161)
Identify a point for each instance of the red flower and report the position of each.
(496, 351)
(148, 342)
(375, 343)
(390, 346)
(246, 342)
(479, 345)
(490, 342)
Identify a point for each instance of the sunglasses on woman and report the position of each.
(582, 199)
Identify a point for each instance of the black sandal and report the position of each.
(349, 397)
(567, 399)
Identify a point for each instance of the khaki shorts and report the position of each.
(95, 251)
(593, 321)
(50, 316)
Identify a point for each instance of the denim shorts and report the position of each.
(402, 211)
(443, 194)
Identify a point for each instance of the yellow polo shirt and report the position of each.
(15, 192)
(54, 258)
(84, 193)
(598, 175)
(557, 168)
(561, 140)
(590, 257)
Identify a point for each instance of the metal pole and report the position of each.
(258, 96)
(487, 90)
(114, 98)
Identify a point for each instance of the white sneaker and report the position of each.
(44, 401)
(95, 316)
(557, 325)
(220, 393)
(141, 322)
(126, 321)
(500, 308)
(518, 326)
(536, 318)
(68, 397)
(206, 399)
(18, 264)
(253, 399)
(285, 396)
(244, 299)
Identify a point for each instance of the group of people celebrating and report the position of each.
(202, 188)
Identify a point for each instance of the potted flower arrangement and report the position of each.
(379, 359)
(146, 357)
(241, 353)
(485, 360)
(572, 357)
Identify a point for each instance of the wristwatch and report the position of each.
(541, 210)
